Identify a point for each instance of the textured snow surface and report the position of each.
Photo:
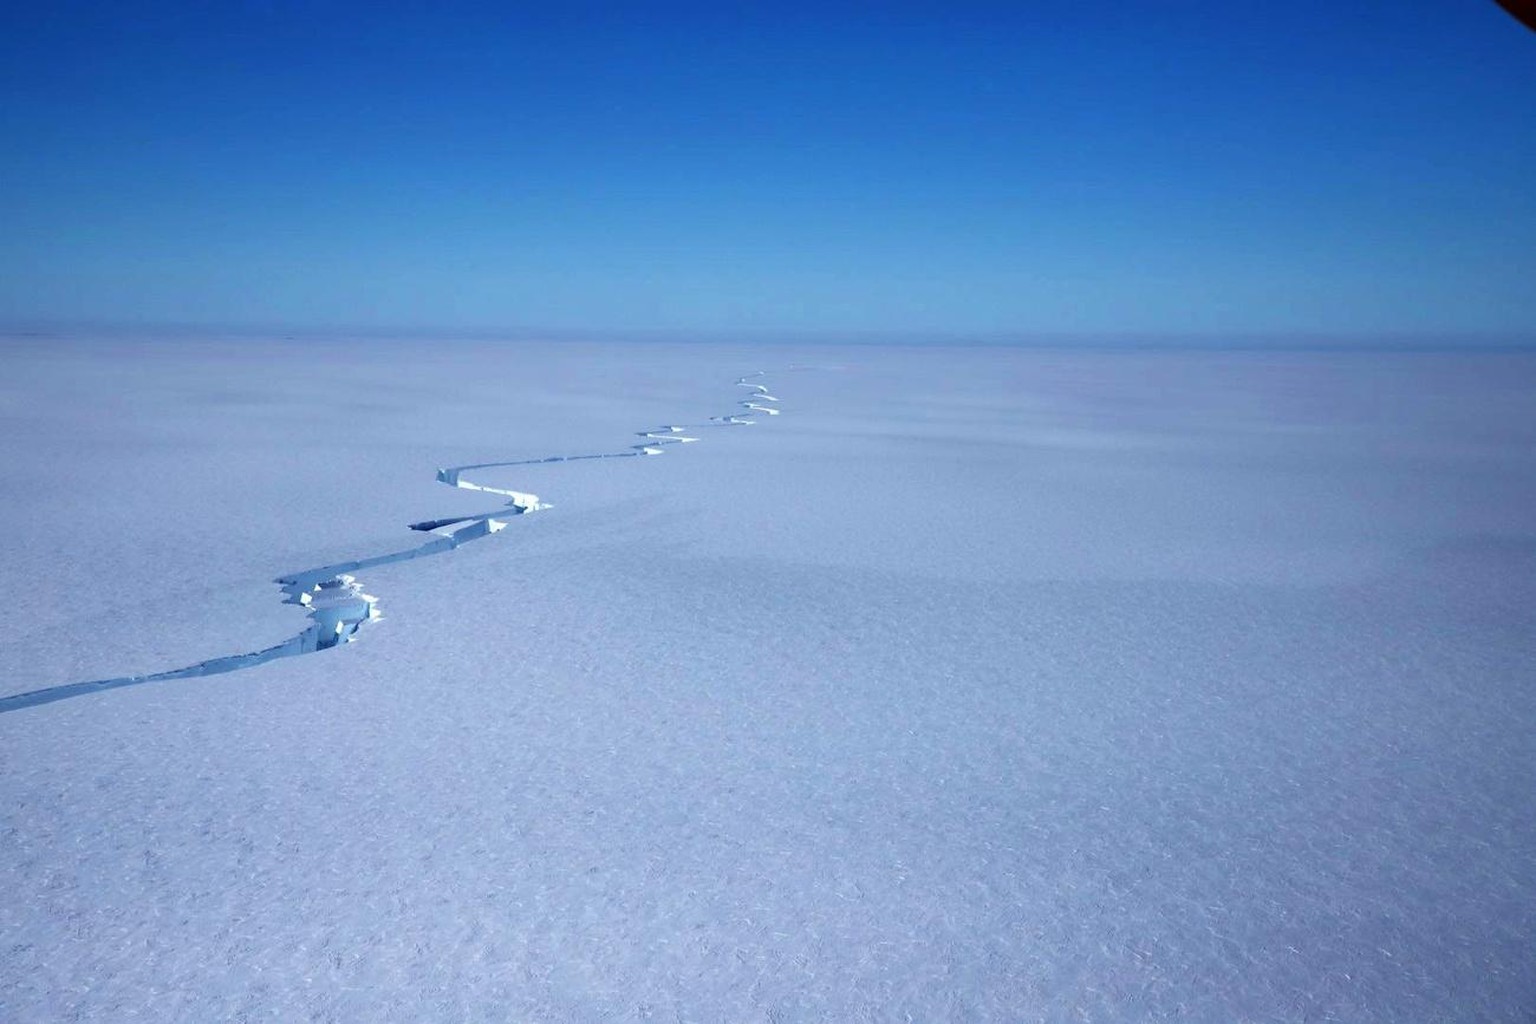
(974, 685)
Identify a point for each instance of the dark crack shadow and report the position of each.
(338, 608)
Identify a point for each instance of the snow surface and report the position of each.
(975, 685)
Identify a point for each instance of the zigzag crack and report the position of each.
(338, 608)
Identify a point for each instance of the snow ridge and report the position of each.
(337, 606)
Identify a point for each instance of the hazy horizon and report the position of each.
(1083, 341)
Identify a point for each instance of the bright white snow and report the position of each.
(976, 685)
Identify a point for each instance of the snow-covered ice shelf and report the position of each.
(986, 685)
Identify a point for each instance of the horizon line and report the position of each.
(1202, 339)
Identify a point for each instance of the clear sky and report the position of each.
(956, 169)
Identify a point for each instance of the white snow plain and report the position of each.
(993, 685)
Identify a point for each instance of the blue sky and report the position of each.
(954, 170)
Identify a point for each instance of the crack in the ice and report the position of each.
(338, 608)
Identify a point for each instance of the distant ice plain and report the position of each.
(982, 684)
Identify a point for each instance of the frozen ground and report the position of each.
(978, 685)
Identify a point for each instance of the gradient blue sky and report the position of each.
(970, 169)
